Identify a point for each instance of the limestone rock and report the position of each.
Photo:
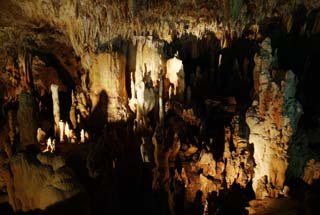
(311, 171)
(107, 77)
(207, 164)
(274, 206)
(51, 160)
(33, 185)
(27, 119)
(272, 120)
(175, 74)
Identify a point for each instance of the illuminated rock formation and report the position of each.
(181, 76)
(37, 186)
(272, 120)
(175, 74)
(311, 171)
(108, 75)
(56, 106)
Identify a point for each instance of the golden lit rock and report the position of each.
(272, 120)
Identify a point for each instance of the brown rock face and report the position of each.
(27, 116)
(38, 183)
(272, 120)
(108, 75)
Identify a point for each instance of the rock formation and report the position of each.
(56, 106)
(162, 107)
(37, 183)
(26, 117)
(272, 120)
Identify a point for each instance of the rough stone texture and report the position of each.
(108, 75)
(311, 171)
(148, 66)
(37, 184)
(272, 120)
(239, 162)
(303, 160)
(266, 206)
(27, 115)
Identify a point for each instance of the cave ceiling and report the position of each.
(89, 25)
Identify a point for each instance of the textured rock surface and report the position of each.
(274, 206)
(37, 184)
(108, 75)
(26, 116)
(183, 54)
(311, 171)
(272, 120)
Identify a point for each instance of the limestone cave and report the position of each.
(159, 107)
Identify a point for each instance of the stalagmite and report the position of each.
(56, 106)
(51, 145)
(161, 113)
(61, 130)
(72, 113)
(82, 136)
(67, 131)
(272, 120)
(11, 126)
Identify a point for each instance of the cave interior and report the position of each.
(159, 107)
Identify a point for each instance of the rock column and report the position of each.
(56, 107)
(272, 119)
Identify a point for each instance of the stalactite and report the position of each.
(132, 7)
(25, 65)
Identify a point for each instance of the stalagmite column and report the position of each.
(72, 113)
(56, 108)
(161, 113)
(272, 120)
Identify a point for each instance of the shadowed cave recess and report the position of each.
(159, 107)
